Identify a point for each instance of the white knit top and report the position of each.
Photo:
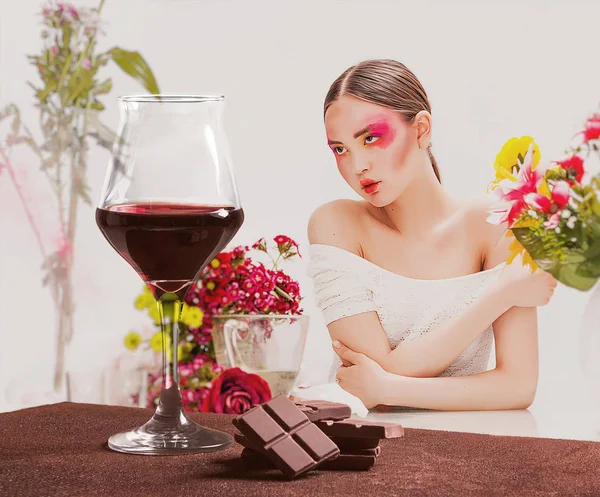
(346, 284)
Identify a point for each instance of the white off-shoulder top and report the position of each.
(346, 284)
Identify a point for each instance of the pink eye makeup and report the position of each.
(384, 132)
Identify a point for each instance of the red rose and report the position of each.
(235, 391)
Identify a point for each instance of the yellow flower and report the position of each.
(133, 340)
(156, 342)
(215, 263)
(506, 161)
(515, 249)
(192, 316)
(184, 351)
(145, 299)
(210, 285)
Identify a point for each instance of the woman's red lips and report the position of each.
(370, 186)
(367, 182)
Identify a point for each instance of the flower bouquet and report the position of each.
(232, 283)
(68, 97)
(552, 209)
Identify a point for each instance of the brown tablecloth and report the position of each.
(60, 450)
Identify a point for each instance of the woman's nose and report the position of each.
(361, 164)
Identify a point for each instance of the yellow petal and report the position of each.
(544, 190)
(507, 158)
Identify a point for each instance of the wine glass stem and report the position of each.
(170, 397)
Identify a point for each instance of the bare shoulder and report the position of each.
(491, 237)
(337, 223)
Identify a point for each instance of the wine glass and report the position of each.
(169, 205)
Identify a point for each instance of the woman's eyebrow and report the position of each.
(358, 133)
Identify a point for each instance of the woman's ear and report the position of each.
(422, 123)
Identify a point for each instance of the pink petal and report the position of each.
(525, 169)
(538, 173)
(498, 216)
(515, 211)
(538, 201)
(552, 222)
(561, 193)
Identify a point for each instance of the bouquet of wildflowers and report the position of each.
(68, 95)
(232, 283)
(552, 209)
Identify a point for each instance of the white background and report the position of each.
(492, 70)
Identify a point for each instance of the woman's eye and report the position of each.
(375, 138)
(338, 150)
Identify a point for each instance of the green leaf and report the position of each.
(572, 276)
(134, 64)
(594, 250)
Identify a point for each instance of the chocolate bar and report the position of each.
(355, 428)
(243, 440)
(343, 462)
(286, 436)
(347, 444)
(317, 410)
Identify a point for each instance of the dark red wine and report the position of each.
(168, 244)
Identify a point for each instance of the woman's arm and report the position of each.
(430, 354)
(511, 385)
(424, 356)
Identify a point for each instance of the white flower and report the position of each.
(573, 239)
(566, 213)
(571, 222)
(532, 213)
(557, 229)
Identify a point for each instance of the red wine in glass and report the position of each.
(168, 244)
(169, 205)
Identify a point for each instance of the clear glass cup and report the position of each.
(269, 345)
(169, 205)
(108, 386)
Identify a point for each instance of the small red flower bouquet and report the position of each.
(232, 283)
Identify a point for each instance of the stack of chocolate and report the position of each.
(299, 437)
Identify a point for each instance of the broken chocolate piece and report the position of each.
(286, 436)
(243, 440)
(353, 444)
(343, 462)
(317, 410)
(355, 428)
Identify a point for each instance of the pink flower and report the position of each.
(592, 129)
(86, 63)
(186, 370)
(54, 50)
(552, 207)
(512, 193)
(260, 244)
(285, 243)
(282, 239)
(188, 396)
(574, 166)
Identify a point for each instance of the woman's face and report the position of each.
(373, 147)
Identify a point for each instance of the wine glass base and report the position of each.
(154, 438)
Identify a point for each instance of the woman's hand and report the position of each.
(363, 378)
(523, 288)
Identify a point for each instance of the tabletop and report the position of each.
(60, 449)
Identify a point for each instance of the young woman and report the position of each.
(411, 281)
